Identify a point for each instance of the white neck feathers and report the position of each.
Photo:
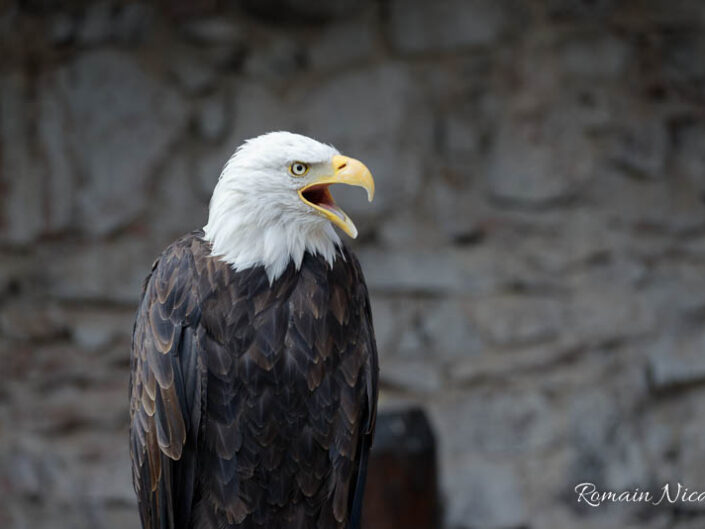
(245, 232)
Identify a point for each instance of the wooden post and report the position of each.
(401, 490)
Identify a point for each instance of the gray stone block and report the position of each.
(122, 121)
(677, 361)
(537, 162)
(420, 26)
(214, 31)
(301, 10)
(21, 218)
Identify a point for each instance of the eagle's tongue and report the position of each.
(335, 210)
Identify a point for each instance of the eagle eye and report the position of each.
(298, 168)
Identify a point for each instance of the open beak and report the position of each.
(345, 171)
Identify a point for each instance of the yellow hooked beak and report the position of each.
(345, 171)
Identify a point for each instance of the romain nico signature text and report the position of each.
(669, 493)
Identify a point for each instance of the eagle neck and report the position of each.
(272, 245)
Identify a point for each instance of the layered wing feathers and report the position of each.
(166, 391)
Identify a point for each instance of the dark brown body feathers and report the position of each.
(251, 405)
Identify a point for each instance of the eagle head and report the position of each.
(272, 203)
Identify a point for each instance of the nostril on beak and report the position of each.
(342, 166)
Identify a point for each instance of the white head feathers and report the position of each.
(256, 216)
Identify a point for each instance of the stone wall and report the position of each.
(535, 253)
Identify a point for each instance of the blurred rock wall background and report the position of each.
(535, 253)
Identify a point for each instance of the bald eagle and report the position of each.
(254, 370)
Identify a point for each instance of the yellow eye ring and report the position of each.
(298, 168)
